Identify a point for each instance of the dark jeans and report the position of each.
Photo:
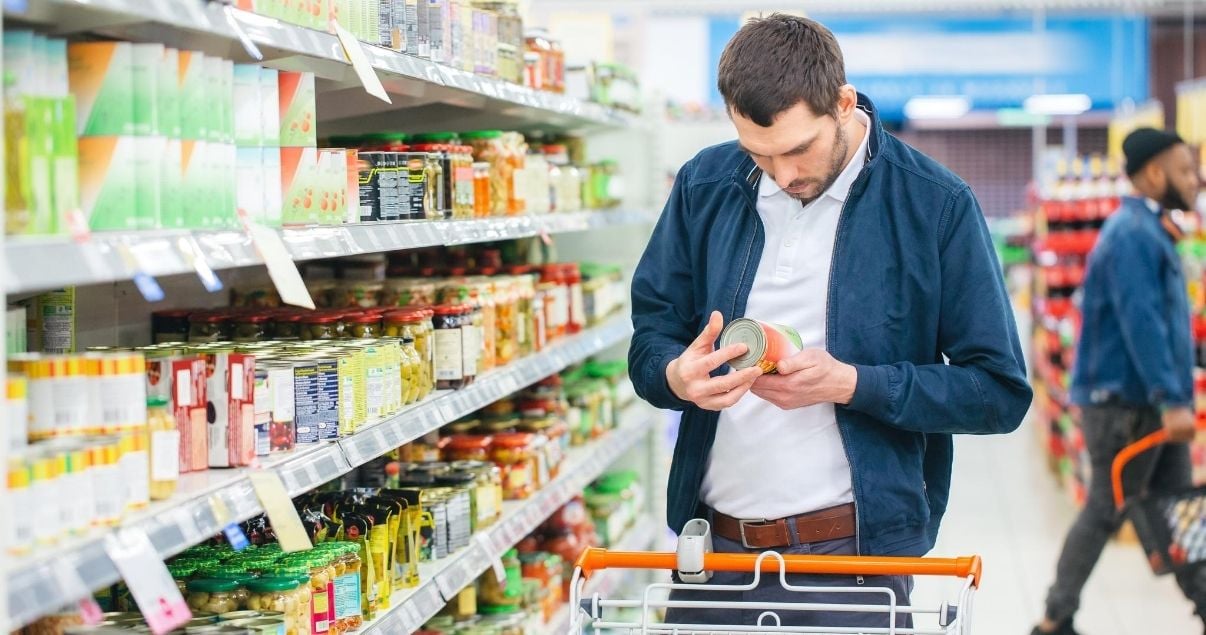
(1166, 468)
(770, 590)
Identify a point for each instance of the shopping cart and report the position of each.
(1171, 525)
(596, 614)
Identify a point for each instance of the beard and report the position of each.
(841, 145)
(1173, 199)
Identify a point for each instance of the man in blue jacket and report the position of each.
(1134, 361)
(818, 219)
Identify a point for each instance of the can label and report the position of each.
(305, 392)
(328, 399)
(768, 343)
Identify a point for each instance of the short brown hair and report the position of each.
(774, 63)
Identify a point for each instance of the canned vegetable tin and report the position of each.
(768, 343)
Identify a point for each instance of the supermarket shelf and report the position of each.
(641, 537)
(443, 579)
(454, 96)
(33, 263)
(189, 517)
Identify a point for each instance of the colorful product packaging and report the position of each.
(108, 171)
(297, 118)
(299, 177)
(230, 393)
(172, 172)
(101, 75)
(188, 403)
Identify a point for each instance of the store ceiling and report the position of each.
(1149, 7)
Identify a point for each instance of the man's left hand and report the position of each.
(807, 378)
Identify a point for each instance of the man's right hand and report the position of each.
(1180, 423)
(690, 375)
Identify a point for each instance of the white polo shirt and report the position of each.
(768, 463)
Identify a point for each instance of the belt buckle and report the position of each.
(742, 524)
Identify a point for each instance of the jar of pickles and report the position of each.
(286, 325)
(321, 585)
(180, 574)
(252, 327)
(215, 596)
(481, 291)
(320, 326)
(204, 328)
(515, 455)
(414, 383)
(299, 574)
(280, 594)
(348, 581)
(415, 324)
(233, 573)
(363, 326)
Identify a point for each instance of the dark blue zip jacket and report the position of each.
(1135, 345)
(914, 277)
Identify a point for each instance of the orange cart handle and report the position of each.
(595, 559)
(1127, 455)
(1133, 450)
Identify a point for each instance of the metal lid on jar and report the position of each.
(748, 332)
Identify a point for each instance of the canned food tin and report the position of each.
(768, 343)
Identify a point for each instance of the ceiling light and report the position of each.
(1055, 105)
(937, 107)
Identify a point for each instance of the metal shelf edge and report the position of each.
(520, 518)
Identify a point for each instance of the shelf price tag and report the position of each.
(286, 524)
(360, 63)
(72, 585)
(234, 534)
(496, 563)
(146, 576)
(188, 248)
(281, 268)
(147, 286)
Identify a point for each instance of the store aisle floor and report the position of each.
(1006, 506)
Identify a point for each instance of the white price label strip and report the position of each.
(360, 63)
(286, 524)
(146, 576)
(496, 563)
(281, 268)
(71, 585)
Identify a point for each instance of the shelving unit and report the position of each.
(436, 96)
(442, 580)
(188, 518)
(33, 263)
(643, 536)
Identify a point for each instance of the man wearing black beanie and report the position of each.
(1134, 362)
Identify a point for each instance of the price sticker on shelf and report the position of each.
(281, 268)
(191, 252)
(353, 51)
(286, 524)
(148, 580)
(492, 554)
(146, 284)
(233, 532)
(72, 585)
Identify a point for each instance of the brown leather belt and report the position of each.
(827, 524)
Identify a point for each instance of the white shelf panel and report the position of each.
(443, 579)
(33, 263)
(188, 517)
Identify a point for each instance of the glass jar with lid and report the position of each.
(215, 596)
(367, 325)
(416, 324)
(252, 327)
(488, 148)
(348, 585)
(414, 383)
(515, 454)
(481, 293)
(181, 572)
(164, 449)
(487, 491)
(300, 574)
(449, 345)
(321, 575)
(204, 328)
(234, 573)
(482, 203)
(286, 325)
(282, 595)
(467, 447)
(320, 326)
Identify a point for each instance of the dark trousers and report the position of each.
(770, 590)
(1167, 468)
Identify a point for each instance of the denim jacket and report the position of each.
(914, 277)
(1135, 344)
